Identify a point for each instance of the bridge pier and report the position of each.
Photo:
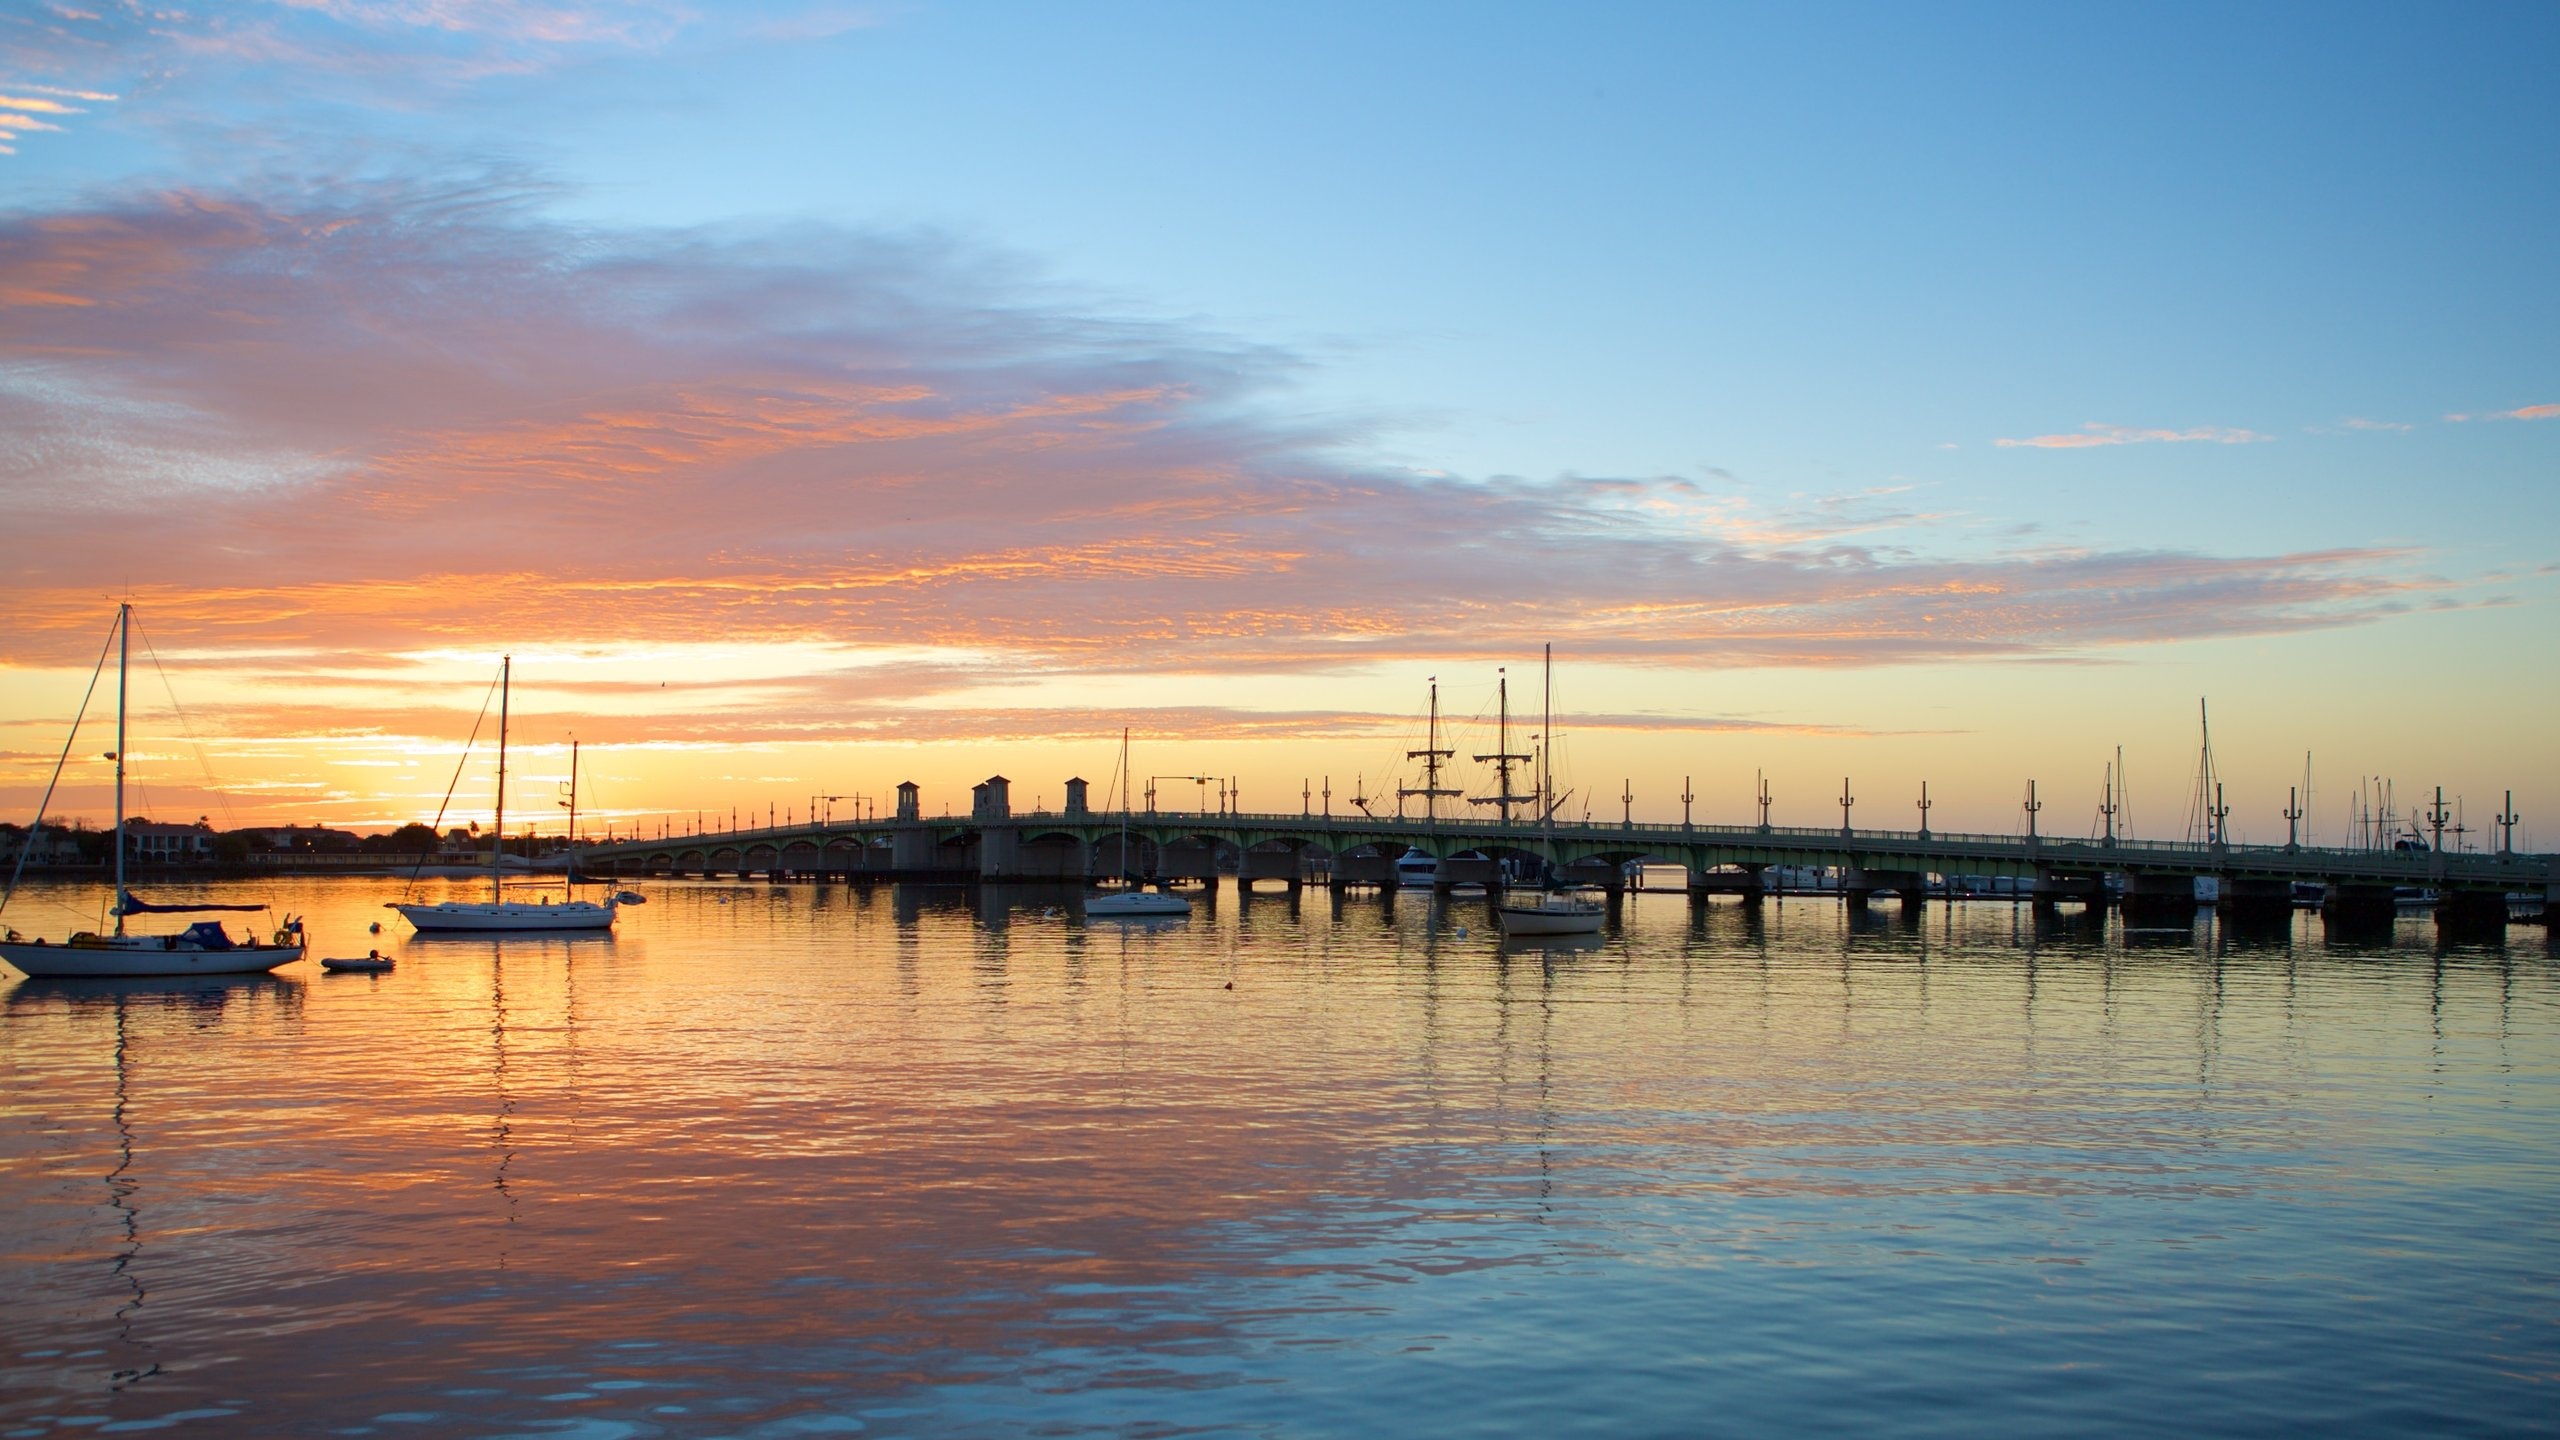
(2359, 911)
(1257, 865)
(1187, 860)
(1743, 881)
(913, 850)
(2472, 917)
(1601, 875)
(2154, 899)
(2259, 905)
(2052, 887)
(1860, 887)
(1373, 869)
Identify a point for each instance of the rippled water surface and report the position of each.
(783, 1161)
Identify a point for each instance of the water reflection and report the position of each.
(779, 1158)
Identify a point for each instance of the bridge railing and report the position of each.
(1526, 834)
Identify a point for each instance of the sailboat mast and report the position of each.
(124, 653)
(1546, 753)
(573, 812)
(1431, 762)
(498, 842)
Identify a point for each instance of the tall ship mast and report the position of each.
(1503, 758)
(1430, 755)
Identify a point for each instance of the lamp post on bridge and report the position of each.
(2507, 826)
(2033, 805)
(2292, 818)
(1685, 798)
(1627, 797)
(2221, 818)
(2436, 816)
(1845, 803)
(1924, 809)
(1764, 802)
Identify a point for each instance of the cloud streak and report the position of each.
(28, 109)
(2522, 412)
(2095, 435)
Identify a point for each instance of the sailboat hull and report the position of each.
(140, 955)
(1551, 915)
(511, 916)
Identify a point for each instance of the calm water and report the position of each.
(791, 1162)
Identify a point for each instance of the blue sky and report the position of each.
(1360, 283)
(1808, 247)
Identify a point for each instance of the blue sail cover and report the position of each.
(132, 904)
(207, 935)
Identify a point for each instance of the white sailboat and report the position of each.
(498, 913)
(1552, 909)
(1137, 902)
(203, 948)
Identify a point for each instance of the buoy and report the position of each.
(375, 927)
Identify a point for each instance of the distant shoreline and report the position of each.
(435, 868)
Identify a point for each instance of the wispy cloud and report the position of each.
(28, 109)
(435, 42)
(2524, 412)
(2396, 427)
(399, 417)
(2093, 435)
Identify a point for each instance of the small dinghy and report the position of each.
(372, 962)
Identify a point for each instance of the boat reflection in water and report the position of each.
(122, 1349)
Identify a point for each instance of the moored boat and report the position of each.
(1550, 912)
(1136, 902)
(203, 948)
(1550, 909)
(498, 914)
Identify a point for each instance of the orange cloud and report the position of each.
(2525, 412)
(387, 419)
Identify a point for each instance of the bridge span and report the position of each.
(994, 843)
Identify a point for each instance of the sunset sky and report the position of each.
(813, 396)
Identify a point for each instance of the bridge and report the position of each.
(994, 843)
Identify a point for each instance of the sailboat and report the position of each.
(1136, 902)
(1552, 909)
(203, 948)
(499, 913)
